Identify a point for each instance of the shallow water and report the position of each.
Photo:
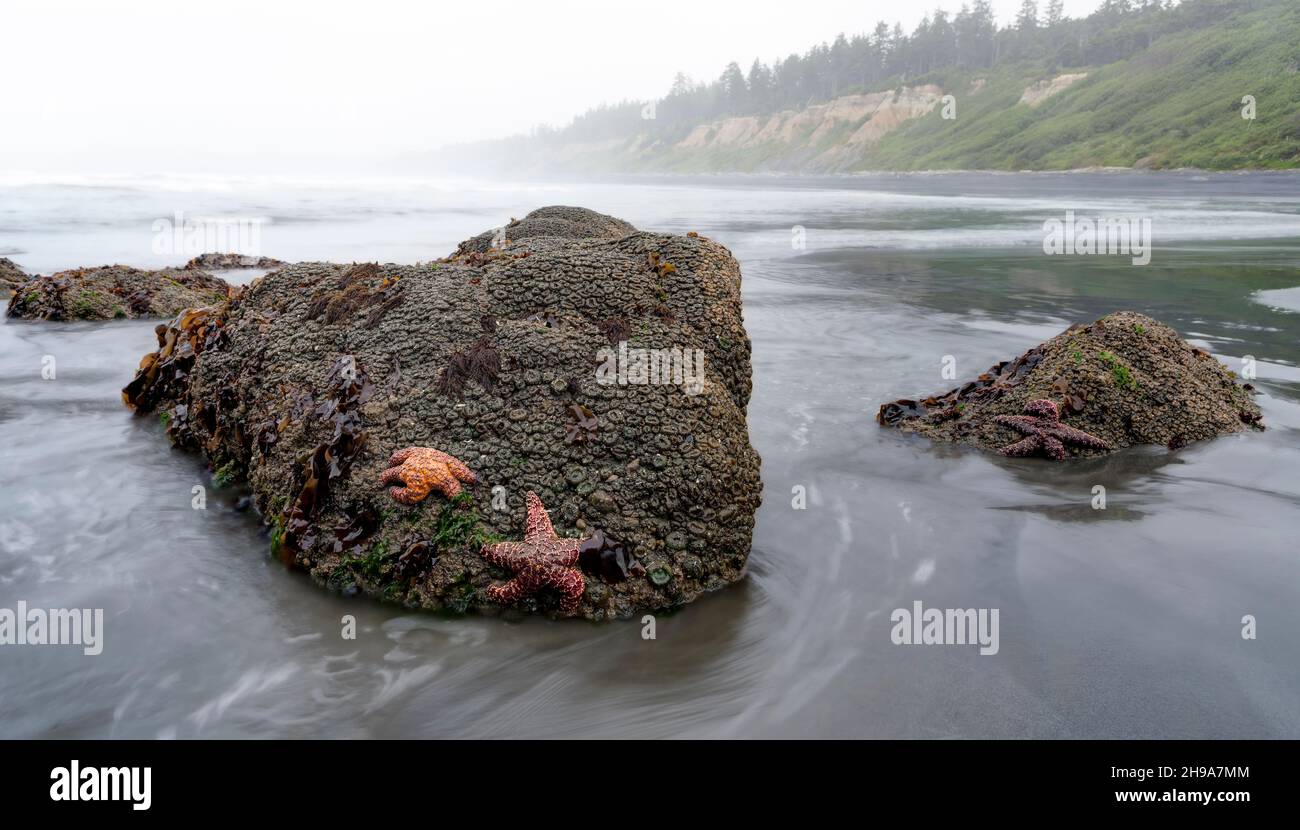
(1123, 622)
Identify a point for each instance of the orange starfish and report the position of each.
(423, 470)
(541, 560)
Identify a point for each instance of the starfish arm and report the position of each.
(457, 468)
(508, 592)
(539, 521)
(1043, 408)
(1055, 449)
(1078, 437)
(393, 475)
(406, 495)
(401, 455)
(508, 555)
(443, 481)
(1023, 424)
(1023, 447)
(570, 585)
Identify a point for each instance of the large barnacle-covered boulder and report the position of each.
(606, 371)
(114, 292)
(1120, 381)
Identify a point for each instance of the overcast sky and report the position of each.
(117, 86)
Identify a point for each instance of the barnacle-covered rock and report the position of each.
(310, 380)
(555, 222)
(1121, 381)
(231, 262)
(115, 292)
(11, 276)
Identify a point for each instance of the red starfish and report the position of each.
(1042, 424)
(541, 560)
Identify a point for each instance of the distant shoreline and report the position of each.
(960, 171)
(864, 174)
(172, 181)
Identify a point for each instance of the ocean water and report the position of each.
(1123, 622)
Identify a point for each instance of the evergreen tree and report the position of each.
(880, 40)
(838, 60)
(1056, 12)
(760, 87)
(681, 85)
(1027, 18)
(734, 90)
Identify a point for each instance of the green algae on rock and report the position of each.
(486, 355)
(1125, 379)
(115, 292)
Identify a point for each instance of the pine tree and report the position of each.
(1027, 18)
(760, 87)
(880, 40)
(733, 88)
(1055, 12)
(838, 60)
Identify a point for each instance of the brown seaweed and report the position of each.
(992, 384)
(615, 329)
(351, 389)
(604, 556)
(583, 427)
(359, 271)
(382, 302)
(358, 525)
(354, 293)
(414, 561)
(480, 363)
(162, 374)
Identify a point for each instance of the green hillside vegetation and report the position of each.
(1177, 103)
(1164, 89)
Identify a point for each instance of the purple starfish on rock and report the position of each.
(541, 560)
(1041, 424)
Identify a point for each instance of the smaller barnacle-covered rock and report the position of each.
(1121, 381)
(231, 262)
(11, 276)
(115, 292)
